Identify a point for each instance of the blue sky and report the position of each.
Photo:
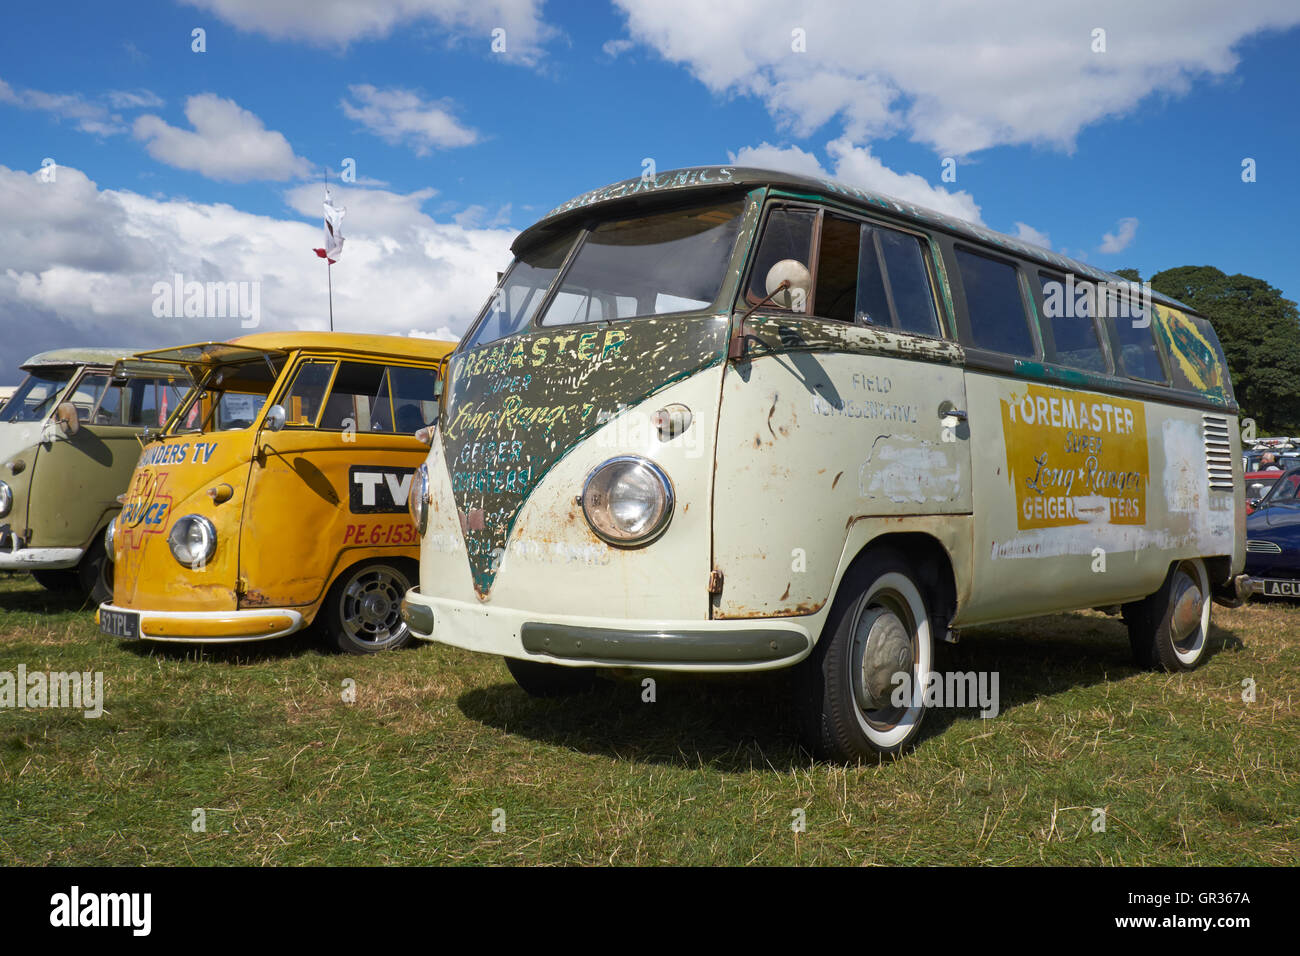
(1152, 131)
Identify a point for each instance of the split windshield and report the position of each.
(37, 395)
(648, 265)
(230, 398)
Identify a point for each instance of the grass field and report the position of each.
(438, 739)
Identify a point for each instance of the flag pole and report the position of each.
(329, 272)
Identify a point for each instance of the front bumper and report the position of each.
(213, 627)
(40, 559)
(1266, 586)
(697, 645)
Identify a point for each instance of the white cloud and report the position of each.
(227, 143)
(857, 166)
(960, 76)
(402, 117)
(90, 116)
(1123, 236)
(616, 48)
(81, 263)
(340, 22)
(1027, 233)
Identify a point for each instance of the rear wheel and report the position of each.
(551, 680)
(855, 704)
(1167, 630)
(362, 609)
(57, 580)
(95, 573)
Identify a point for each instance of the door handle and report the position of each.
(946, 411)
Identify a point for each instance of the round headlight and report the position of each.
(193, 541)
(6, 499)
(108, 540)
(628, 500)
(417, 499)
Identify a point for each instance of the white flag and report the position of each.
(333, 229)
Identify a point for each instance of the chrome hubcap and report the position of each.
(1188, 601)
(882, 649)
(371, 604)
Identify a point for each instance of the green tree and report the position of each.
(1260, 334)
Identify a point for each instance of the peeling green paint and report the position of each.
(516, 406)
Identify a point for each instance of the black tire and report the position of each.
(1167, 630)
(879, 625)
(95, 573)
(361, 611)
(57, 580)
(551, 680)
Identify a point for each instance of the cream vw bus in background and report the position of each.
(733, 420)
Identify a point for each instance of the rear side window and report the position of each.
(1068, 309)
(994, 305)
(1138, 354)
(415, 397)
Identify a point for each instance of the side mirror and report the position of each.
(795, 297)
(66, 417)
(275, 417)
(1254, 503)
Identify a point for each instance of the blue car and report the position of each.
(1273, 540)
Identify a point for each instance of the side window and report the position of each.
(415, 401)
(1134, 328)
(994, 305)
(893, 283)
(835, 291)
(787, 235)
(359, 399)
(109, 411)
(302, 403)
(1068, 308)
(87, 393)
(149, 401)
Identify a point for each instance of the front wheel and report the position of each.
(95, 573)
(864, 684)
(1167, 630)
(362, 610)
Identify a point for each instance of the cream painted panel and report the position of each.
(1084, 499)
(809, 441)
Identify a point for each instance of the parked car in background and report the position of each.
(277, 492)
(1273, 540)
(68, 442)
(1258, 485)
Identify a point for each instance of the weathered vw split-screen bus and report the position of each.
(277, 492)
(69, 437)
(727, 419)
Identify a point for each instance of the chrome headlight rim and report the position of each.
(6, 499)
(668, 502)
(110, 534)
(176, 538)
(418, 500)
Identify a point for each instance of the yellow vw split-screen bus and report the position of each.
(726, 419)
(277, 492)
